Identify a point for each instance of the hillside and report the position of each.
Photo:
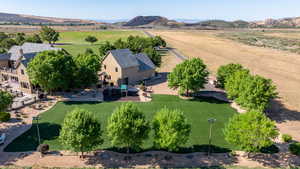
(278, 23)
(151, 21)
(6, 18)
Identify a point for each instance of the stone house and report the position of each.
(124, 67)
(13, 65)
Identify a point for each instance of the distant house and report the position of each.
(123, 67)
(13, 64)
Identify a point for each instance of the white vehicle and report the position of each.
(2, 138)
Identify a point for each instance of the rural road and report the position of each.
(170, 49)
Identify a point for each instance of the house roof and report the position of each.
(144, 61)
(4, 56)
(126, 59)
(16, 53)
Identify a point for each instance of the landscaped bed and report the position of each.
(197, 112)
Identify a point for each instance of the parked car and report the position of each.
(2, 138)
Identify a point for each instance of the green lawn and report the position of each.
(76, 44)
(196, 111)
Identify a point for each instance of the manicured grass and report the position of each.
(196, 111)
(76, 44)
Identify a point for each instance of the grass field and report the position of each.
(196, 111)
(74, 42)
(281, 41)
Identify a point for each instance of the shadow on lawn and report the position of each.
(80, 103)
(28, 141)
(182, 150)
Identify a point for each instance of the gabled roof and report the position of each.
(29, 48)
(145, 62)
(126, 59)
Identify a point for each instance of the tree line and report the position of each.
(137, 44)
(127, 128)
(8, 40)
(251, 131)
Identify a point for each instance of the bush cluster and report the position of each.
(4, 117)
(286, 138)
(294, 148)
(252, 92)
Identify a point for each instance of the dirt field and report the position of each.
(282, 67)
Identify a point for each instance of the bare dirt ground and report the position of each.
(282, 67)
(169, 61)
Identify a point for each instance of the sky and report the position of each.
(248, 10)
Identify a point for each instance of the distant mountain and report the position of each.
(7, 18)
(150, 21)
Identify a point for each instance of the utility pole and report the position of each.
(37, 127)
(211, 121)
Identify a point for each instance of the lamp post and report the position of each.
(37, 118)
(211, 121)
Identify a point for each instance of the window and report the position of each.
(25, 85)
(116, 69)
(104, 66)
(22, 72)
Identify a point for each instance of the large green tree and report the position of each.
(128, 127)
(236, 83)
(158, 41)
(257, 94)
(34, 39)
(49, 34)
(191, 75)
(171, 129)
(6, 99)
(20, 38)
(153, 55)
(7, 43)
(52, 70)
(250, 131)
(87, 66)
(225, 71)
(81, 131)
(104, 48)
(251, 92)
(120, 44)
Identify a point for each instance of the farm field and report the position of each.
(196, 111)
(74, 42)
(280, 66)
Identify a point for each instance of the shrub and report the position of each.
(251, 131)
(286, 138)
(294, 148)
(43, 148)
(225, 71)
(4, 116)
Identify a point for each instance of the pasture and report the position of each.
(74, 42)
